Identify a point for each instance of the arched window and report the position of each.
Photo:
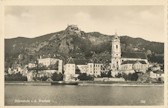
(116, 46)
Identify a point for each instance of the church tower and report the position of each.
(115, 53)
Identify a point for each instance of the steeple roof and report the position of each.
(115, 37)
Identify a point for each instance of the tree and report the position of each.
(109, 73)
(134, 77)
(131, 77)
(53, 66)
(106, 74)
(15, 77)
(83, 76)
(44, 78)
(149, 52)
(57, 77)
(119, 75)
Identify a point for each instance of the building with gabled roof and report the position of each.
(69, 69)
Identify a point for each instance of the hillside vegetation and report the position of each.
(72, 42)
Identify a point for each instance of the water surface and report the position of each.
(83, 95)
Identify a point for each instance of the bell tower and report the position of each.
(115, 53)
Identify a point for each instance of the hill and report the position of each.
(73, 42)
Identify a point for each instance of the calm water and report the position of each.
(83, 95)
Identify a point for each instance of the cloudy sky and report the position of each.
(146, 22)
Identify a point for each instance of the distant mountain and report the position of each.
(75, 43)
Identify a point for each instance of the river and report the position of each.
(20, 95)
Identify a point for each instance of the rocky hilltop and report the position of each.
(72, 42)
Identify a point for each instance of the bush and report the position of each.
(44, 78)
(119, 75)
(57, 77)
(106, 74)
(131, 77)
(83, 76)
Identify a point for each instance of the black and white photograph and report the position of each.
(84, 55)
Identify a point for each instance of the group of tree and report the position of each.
(15, 77)
(130, 77)
(57, 77)
(106, 74)
(43, 78)
(40, 67)
(84, 76)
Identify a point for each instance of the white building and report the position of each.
(157, 74)
(51, 61)
(94, 68)
(31, 65)
(90, 67)
(69, 69)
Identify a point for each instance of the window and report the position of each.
(117, 46)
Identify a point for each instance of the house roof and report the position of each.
(128, 62)
(81, 62)
(140, 55)
(143, 62)
(95, 60)
(156, 66)
(158, 72)
(133, 62)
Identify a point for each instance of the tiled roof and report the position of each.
(156, 66)
(143, 62)
(128, 62)
(134, 55)
(94, 61)
(132, 62)
(158, 72)
(81, 62)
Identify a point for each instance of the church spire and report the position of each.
(116, 33)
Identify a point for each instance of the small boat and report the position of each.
(64, 83)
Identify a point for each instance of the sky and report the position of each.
(145, 22)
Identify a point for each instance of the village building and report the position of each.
(155, 68)
(90, 67)
(94, 67)
(51, 61)
(25, 71)
(31, 75)
(10, 71)
(157, 74)
(32, 65)
(128, 62)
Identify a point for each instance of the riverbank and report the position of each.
(87, 83)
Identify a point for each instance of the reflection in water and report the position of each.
(83, 95)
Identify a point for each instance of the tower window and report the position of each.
(117, 46)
